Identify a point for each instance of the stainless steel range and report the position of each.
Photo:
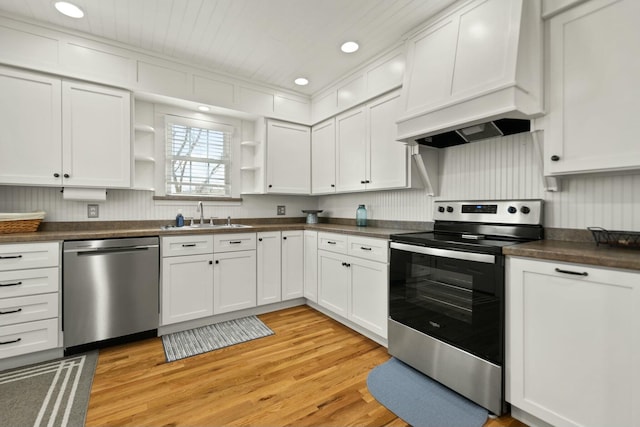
(446, 294)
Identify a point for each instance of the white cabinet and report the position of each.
(234, 272)
(292, 264)
(187, 278)
(573, 343)
(368, 155)
(323, 157)
(96, 136)
(269, 267)
(29, 298)
(288, 158)
(311, 265)
(593, 88)
(489, 56)
(353, 274)
(31, 121)
(63, 133)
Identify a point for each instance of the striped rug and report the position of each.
(180, 345)
(48, 394)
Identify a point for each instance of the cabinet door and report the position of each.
(351, 146)
(234, 281)
(573, 343)
(269, 271)
(288, 158)
(96, 134)
(31, 138)
(323, 158)
(187, 288)
(292, 264)
(593, 88)
(311, 265)
(333, 282)
(386, 158)
(369, 296)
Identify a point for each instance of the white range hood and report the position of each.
(476, 63)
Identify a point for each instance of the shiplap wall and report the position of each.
(506, 168)
(499, 168)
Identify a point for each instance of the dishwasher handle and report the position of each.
(97, 251)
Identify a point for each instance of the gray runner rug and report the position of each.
(180, 345)
(421, 401)
(48, 394)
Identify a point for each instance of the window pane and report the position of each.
(197, 161)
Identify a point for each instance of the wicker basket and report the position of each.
(20, 222)
(621, 239)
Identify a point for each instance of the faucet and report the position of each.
(228, 221)
(201, 210)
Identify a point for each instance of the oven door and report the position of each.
(454, 296)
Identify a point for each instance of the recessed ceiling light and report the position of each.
(349, 47)
(69, 9)
(301, 81)
(203, 108)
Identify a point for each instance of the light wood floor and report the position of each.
(311, 372)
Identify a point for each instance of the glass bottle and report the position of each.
(361, 216)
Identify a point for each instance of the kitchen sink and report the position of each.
(206, 227)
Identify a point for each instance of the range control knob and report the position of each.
(512, 209)
(525, 210)
(441, 209)
(449, 209)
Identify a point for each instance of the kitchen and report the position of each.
(511, 167)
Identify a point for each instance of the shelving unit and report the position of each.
(252, 167)
(144, 147)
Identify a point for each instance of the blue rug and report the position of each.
(421, 401)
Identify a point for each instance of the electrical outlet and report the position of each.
(93, 211)
(282, 210)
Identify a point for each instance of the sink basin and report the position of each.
(206, 227)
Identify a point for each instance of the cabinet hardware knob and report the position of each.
(364, 248)
(270, 185)
(575, 273)
(330, 242)
(11, 257)
(362, 182)
(259, 239)
(217, 262)
(347, 264)
(333, 185)
(56, 175)
(10, 342)
(555, 158)
(235, 242)
(66, 175)
(189, 245)
(367, 182)
(210, 262)
(10, 284)
(12, 311)
(284, 238)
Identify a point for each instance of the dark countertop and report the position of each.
(141, 231)
(578, 252)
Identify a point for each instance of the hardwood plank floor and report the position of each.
(312, 372)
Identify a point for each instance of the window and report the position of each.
(197, 157)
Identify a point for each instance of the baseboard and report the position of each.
(31, 358)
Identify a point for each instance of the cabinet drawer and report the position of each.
(28, 309)
(332, 242)
(29, 255)
(368, 248)
(234, 242)
(187, 245)
(29, 282)
(28, 337)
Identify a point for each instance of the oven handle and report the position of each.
(465, 256)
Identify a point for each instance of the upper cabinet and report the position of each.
(368, 157)
(288, 158)
(479, 61)
(593, 88)
(323, 157)
(63, 133)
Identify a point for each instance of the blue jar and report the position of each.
(179, 219)
(361, 216)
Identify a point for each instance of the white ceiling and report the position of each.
(270, 41)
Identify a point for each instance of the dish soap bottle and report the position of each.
(179, 219)
(361, 216)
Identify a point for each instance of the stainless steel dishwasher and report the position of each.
(109, 291)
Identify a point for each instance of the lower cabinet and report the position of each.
(353, 273)
(269, 271)
(292, 264)
(573, 343)
(187, 288)
(234, 281)
(311, 265)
